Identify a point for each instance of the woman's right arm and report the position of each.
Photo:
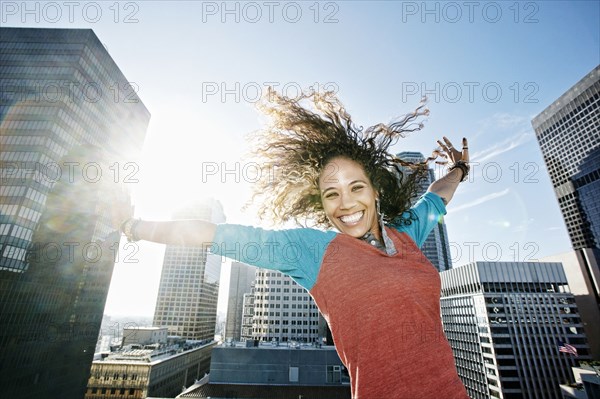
(190, 233)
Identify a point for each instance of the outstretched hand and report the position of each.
(452, 153)
(449, 153)
(458, 159)
(118, 205)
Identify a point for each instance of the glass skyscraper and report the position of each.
(568, 132)
(68, 121)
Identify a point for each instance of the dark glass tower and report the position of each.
(68, 122)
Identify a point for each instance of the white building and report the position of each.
(284, 311)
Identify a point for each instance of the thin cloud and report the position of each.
(507, 124)
(481, 200)
(504, 120)
(506, 145)
(524, 225)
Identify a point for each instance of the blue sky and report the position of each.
(487, 67)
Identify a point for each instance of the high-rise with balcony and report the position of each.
(189, 281)
(505, 322)
(69, 119)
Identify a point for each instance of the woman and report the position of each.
(377, 291)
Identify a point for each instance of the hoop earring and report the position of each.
(390, 249)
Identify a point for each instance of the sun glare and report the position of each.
(179, 167)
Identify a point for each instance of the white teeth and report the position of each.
(355, 217)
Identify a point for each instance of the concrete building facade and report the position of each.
(284, 311)
(139, 371)
(577, 265)
(504, 321)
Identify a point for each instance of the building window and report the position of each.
(334, 374)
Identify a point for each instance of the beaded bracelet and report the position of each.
(463, 166)
(128, 228)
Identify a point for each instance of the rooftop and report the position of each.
(275, 345)
(151, 354)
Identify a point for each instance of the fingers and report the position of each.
(443, 146)
(448, 142)
(454, 153)
(465, 150)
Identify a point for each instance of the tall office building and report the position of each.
(189, 282)
(60, 89)
(240, 282)
(568, 132)
(284, 311)
(505, 322)
(436, 247)
(61, 129)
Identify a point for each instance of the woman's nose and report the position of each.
(347, 201)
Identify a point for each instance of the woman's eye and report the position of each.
(357, 188)
(331, 195)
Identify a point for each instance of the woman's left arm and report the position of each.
(446, 186)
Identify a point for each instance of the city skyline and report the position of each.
(197, 70)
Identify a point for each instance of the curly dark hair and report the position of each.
(297, 144)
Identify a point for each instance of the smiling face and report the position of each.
(348, 198)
